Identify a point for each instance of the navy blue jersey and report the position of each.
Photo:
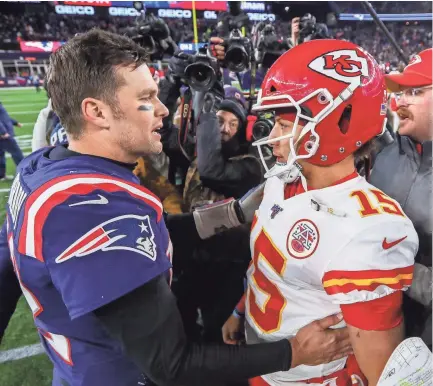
(58, 135)
(82, 232)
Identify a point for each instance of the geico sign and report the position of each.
(261, 16)
(248, 6)
(180, 13)
(74, 10)
(118, 11)
(210, 15)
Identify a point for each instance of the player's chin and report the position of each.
(156, 147)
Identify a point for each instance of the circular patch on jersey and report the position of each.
(303, 239)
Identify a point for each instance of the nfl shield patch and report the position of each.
(275, 210)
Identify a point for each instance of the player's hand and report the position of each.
(5, 136)
(317, 343)
(216, 48)
(251, 201)
(19, 124)
(233, 330)
(295, 30)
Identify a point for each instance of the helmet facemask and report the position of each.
(290, 170)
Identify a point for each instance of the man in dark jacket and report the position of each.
(7, 140)
(403, 170)
(222, 169)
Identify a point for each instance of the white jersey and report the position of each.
(344, 244)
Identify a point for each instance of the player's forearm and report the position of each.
(183, 232)
(373, 348)
(149, 326)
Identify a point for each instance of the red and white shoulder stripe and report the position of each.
(40, 203)
(347, 287)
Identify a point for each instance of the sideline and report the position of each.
(15, 354)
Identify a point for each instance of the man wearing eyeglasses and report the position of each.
(403, 170)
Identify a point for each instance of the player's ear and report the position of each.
(96, 112)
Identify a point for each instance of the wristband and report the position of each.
(237, 314)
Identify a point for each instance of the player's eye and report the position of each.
(416, 91)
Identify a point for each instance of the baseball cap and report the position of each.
(417, 73)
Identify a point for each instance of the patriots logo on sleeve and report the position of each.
(128, 232)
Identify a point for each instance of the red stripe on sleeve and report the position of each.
(346, 288)
(378, 315)
(368, 274)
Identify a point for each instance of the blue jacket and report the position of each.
(6, 122)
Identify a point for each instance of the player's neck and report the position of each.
(319, 177)
(92, 146)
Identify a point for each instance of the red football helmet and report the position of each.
(325, 82)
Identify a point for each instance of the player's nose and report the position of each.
(161, 110)
(274, 134)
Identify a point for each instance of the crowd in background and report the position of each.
(387, 7)
(413, 37)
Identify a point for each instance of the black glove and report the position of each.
(176, 66)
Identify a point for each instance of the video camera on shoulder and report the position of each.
(153, 34)
(268, 47)
(309, 29)
(238, 49)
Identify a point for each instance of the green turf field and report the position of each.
(24, 106)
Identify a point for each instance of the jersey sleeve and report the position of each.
(100, 246)
(367, 275)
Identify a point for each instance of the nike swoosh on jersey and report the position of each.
(387, 245)
(102, 201)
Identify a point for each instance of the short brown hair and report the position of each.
(86, 67)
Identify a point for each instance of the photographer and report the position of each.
(221, 169)
(305, 28)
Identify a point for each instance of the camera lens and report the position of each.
(201, 76)
(236, 58)
(262, 128)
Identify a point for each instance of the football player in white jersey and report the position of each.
(324, 240)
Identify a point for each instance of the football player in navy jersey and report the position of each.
(91, 249)
(58, 135)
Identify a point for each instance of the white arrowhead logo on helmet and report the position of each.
(415, 59)
(342, 65)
